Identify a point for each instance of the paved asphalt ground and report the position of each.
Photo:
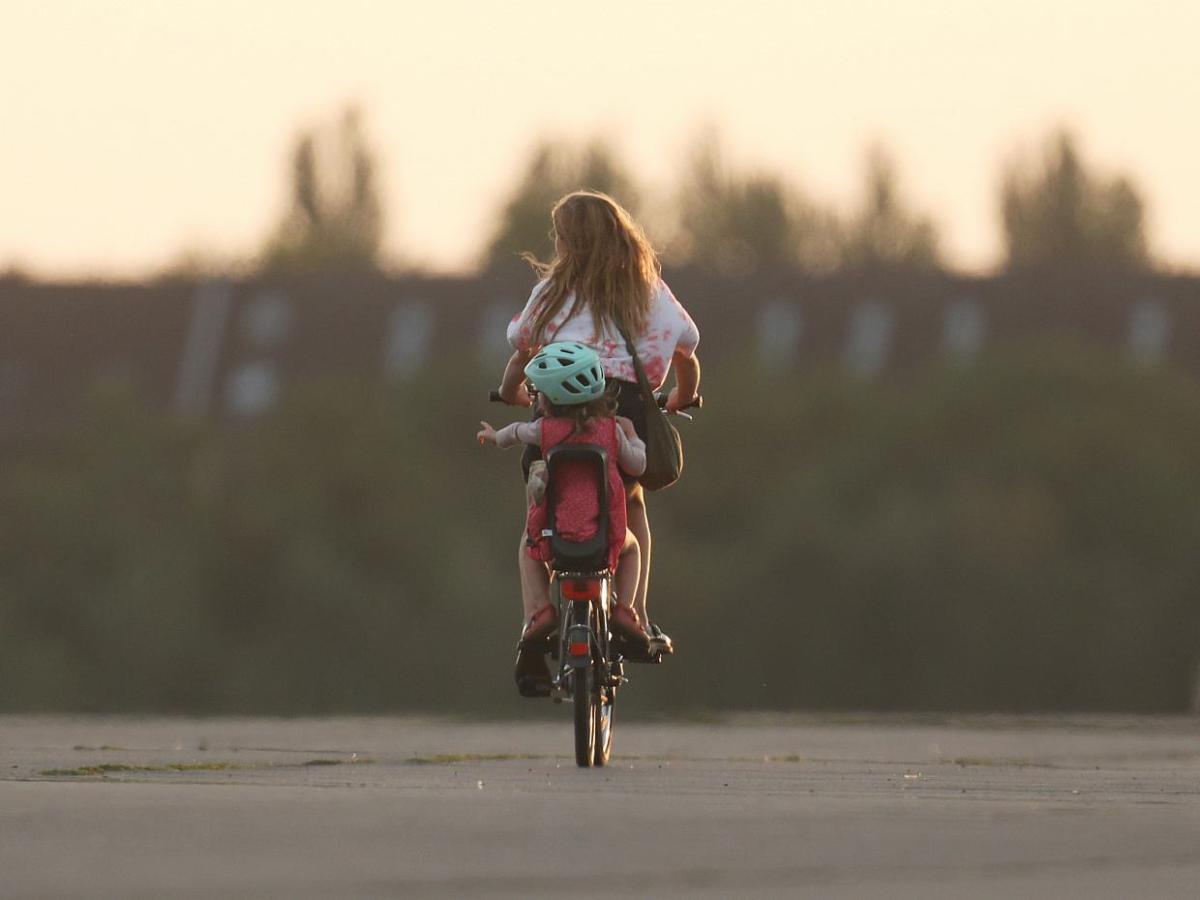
(841, 807)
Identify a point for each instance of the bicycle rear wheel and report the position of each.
(585, 715)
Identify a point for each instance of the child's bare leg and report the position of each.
(628, 569)
(639, 524)
(535, 581)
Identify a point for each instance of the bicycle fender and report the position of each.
(579, 636)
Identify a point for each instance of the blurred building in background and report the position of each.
(228, 349)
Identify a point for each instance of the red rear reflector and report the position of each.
(578, 648)
(581, 589)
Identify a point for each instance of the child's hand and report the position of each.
(487, 434)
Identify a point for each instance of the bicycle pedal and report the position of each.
(641, 655)
(531, 688)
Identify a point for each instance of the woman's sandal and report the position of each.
(627, 627)
(531, 673)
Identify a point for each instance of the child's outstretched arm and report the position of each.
(516, 433)
(512, 382)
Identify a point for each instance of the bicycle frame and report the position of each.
(588, 671)
(584, 600)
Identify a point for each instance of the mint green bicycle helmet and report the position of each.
(567, 372)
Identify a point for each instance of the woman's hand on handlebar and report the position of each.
(675, 403)
(518, 397)
(512, 383)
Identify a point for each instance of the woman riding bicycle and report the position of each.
(605, 277)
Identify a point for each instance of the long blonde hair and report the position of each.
(601, 255)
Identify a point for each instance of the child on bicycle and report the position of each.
(575, 408)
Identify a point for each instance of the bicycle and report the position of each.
(591, 659)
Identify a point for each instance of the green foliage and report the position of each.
(335, 219)
(882, 233)
(554, 170)
(296, 565)
(1017, 535)
(737, 223)
(1057, 213)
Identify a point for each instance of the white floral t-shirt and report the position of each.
(669, 329)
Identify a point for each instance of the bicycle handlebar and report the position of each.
(661, 398)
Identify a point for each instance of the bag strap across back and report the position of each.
(643, 382)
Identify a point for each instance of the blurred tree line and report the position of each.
(335, 218)
(1054, 211)
(1057, 213)
(720, 218)
(1016, 535)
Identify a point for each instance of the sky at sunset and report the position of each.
(133, 131)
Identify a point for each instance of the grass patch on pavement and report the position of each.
(999, 762)
(103, 769)
(441, 759)
(109, 768)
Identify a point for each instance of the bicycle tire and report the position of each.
(605, 708)
(583, 682)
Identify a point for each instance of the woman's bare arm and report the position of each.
(512, 382)
(687, 381)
